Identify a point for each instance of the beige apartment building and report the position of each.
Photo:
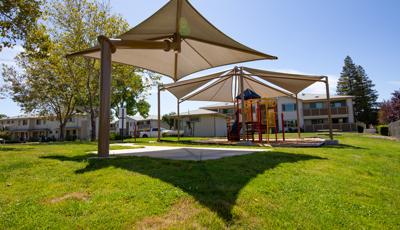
(313, 112)
(41, 128)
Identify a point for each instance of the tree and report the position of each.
(355, 82)
(345, 85)
(129, 90)
(17, 19)
(390, 110)
(69, 26)
(168, 119)
(78, 23)
(3, 116)
(45, 86)
(396, 105)
(365, 98)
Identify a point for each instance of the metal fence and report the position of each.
(394, 129)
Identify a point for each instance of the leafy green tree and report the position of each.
(17, 19)
(129, 90)
(168, 119)
(77, 25)
(44, 87)
(355, 82)
(71, 84)
(3, 116)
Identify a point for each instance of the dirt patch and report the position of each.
(70, 196)
(179, 215)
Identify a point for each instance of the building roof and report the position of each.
(140, 118)
(222, 105)
(198, 112)
(314, 97)
(33, 116)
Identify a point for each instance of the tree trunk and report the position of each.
(62, 131)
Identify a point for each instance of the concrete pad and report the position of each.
(184, 153)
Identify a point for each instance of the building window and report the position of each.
(194, 119)
(71, 119)
(24, 122)
(317, 121)
(289, 107)
(340, 120)
(338, 104)
(290, 123)
(37, 122)
(316, 105)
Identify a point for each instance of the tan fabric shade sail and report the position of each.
(294, 83)
(220, 87)
(191, 43)
(183, 88)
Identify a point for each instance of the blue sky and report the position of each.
(309, 36)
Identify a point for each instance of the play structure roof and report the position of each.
(200, 45)
(248, 94)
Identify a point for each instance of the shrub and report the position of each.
(360, 129)
(115, 137)
(383, 130)
(5, 135)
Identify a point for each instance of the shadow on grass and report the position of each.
(9, 149)
(344, 146)
(214, 183)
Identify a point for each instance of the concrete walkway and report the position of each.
(184, 153)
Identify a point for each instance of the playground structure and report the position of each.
(261, 118)
(254, 93)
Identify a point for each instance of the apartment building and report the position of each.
(142, 124)
(202, 123)
(313, 112)
(41, 128)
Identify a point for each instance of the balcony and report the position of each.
(322, 112)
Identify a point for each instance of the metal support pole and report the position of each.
(298, 118)
(123, 118)
(244, 129)
(158, 115)
(105, 93)
(328, 97)
(178, 125)
(283, 126)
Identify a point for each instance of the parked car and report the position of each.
(164, 132)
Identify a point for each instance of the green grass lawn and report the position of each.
(352, 186)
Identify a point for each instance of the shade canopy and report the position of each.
(224, 86)
(221, 87)
(294, 83)
(191, 43)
